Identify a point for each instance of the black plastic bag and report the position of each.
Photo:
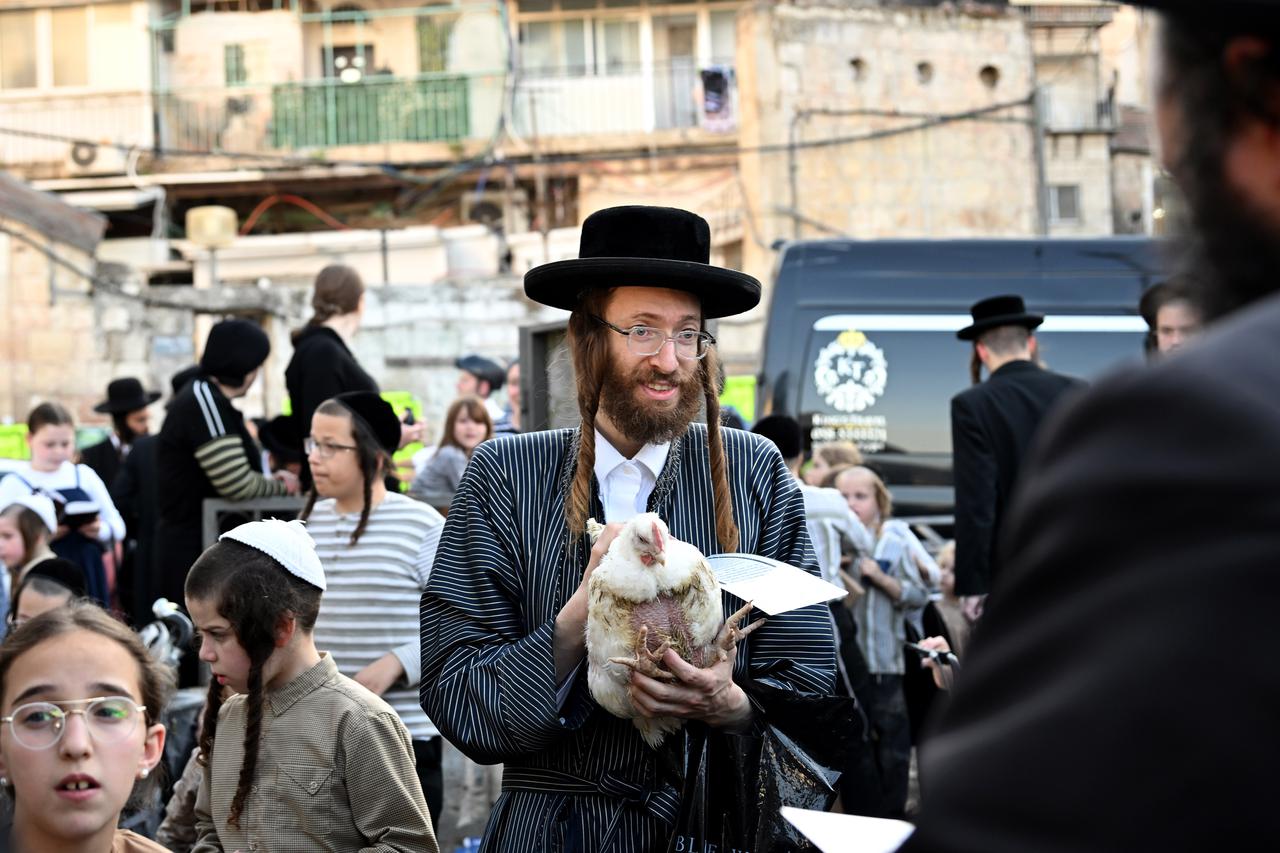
(736, 784)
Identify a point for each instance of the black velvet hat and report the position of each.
(483, 368)
(124, 396)
(377, 414)
(784, 431)
(280, 437)
(235, 348)
(644, 247)
(999, 311)
(60, 571)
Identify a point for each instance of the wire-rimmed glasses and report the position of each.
(324, 449)
(645, 341)
(39, 725)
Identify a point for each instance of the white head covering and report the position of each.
(41, 506)
(286, 542)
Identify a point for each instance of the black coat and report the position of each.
(104, 459)
(1120, 693)
(136, 494)
(992, 426)
(321, 367)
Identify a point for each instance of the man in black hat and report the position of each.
(1119, 694)
(503, 617)
(127, 404)
(992, 425)
(482, 376)
(204, 450)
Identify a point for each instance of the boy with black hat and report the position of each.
(992, 425)
(504, 614)
(204, 451)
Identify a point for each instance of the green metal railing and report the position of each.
(327, 113)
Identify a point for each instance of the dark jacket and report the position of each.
(992, 426)
(136, 493)
(1119, 694)
(321, 367)
(104, 459)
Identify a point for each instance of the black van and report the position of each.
(860, 342)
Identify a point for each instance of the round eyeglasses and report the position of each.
(645, 341)
(324, 449)
(39, 725)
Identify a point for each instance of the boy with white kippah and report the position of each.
(302, 758)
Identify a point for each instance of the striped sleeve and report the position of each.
(224, 463)
(410, 654)
(487, 684)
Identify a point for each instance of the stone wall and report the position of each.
(833, 70)
(71, 349)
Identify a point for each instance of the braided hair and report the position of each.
(338, 289)
(374, 461)
(254, 593)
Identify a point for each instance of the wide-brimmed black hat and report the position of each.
(999, 311)
(483, 368)
(125, 395)
(644, 247)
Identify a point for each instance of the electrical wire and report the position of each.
(455, 168)
(296, 200)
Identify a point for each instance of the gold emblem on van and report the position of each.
(851, 372)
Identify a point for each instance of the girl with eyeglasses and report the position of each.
(377, 547)
(80, 697)
(466, 425)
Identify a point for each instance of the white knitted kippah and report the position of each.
(286, 542)
(41, 506)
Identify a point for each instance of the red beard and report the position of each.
(647, 421)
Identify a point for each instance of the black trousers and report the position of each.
(428, 757)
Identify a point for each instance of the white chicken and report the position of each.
(651, 593)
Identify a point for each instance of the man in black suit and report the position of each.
(1120, 693)
(127, 404)
(992, 425)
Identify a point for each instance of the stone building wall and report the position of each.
(834, 70)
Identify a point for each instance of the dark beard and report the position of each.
(649, 424)
(1233, 254)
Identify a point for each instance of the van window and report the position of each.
(886, 381)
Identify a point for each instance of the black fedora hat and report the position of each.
(280, 437)
(999, 311)
(642, 246)
(125, 395)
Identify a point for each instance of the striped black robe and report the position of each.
(575, 777)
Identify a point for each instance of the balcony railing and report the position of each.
(329, 113)
(573, 101)
(326, 114)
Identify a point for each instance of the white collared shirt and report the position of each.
(626, 484)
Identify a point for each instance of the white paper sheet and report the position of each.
(772, 586)
(843, 833)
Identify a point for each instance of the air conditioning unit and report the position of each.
(498, 207)
(86, 158)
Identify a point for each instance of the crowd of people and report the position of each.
(1111, 544)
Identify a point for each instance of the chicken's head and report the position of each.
(645, 536)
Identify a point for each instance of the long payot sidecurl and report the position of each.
(590, 351)
(726, 528)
